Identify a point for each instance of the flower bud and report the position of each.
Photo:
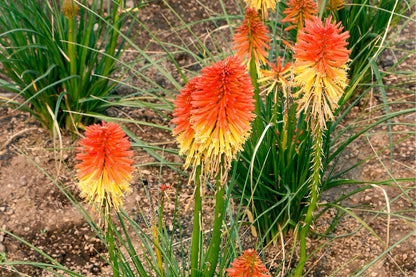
(69, 8)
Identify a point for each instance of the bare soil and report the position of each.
(33, 206)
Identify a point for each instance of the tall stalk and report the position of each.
(258, 124)
(315, 183)
(72, 90)
(110, 239)
(114, 37)
(196, 231)
(156, 231)
(214, 247)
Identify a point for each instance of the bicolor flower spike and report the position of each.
(298, 11)
(251, 39)
(105, 169)
(263, 6)
(276, 76)
(222, 111)
(213, 113)
(248, 265)
(320, 69)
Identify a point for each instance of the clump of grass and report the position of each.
(59, 56)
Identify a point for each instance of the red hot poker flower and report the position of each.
(248, 265)
(251, 39)
(277, 75)
(105, 168)
(298, 11)
(222, 109)
(320, 68)
(263, 6)
(332, 5)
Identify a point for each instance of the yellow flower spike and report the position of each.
(263, 6)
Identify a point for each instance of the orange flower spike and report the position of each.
(277, 75)
(298, 11)
(105, 168)
(248, 265)
(223, 108)
(332, 5)
(335, 4)
(251, 39)
(320, 68)
(263, 6)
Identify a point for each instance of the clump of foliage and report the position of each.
(59, 56)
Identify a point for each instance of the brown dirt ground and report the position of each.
(33, 207)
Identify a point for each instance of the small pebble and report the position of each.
(23, 181)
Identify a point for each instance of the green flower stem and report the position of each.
(156, 235)
(114, 37)
(111, 247)
(196, 231)
(72, 54)
(285, 132)
(214, 247)
(316, 179)
(258, 124)
(72, 91)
